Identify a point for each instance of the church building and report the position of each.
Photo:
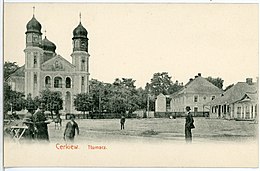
(44, 68)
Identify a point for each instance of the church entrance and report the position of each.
(68, 102)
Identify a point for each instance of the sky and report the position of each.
(138, 40)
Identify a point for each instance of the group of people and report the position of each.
(38, 126)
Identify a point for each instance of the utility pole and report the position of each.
(148, 105)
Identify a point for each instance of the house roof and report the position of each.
(253, 97)
(199, 85)
(235, 93)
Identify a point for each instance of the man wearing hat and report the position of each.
(41, 124)
(188, 125)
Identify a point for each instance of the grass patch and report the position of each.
(149, 132)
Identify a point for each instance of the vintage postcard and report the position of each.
(130, 85)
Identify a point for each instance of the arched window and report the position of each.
(68, 82)
(57, 82)
(47, 82)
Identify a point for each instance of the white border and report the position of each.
(106, 1)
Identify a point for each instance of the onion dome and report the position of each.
(80, 32)
(48, 45)
(33, 26)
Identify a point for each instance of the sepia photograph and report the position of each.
(130, 85)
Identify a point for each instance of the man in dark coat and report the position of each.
(188, 125)
(41, 124)
(70, 129)
(122, 122)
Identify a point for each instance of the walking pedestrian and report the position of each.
(189, 125)
(122, 122)
(70, 129)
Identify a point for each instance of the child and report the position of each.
(69, 132)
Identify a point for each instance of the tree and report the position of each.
(9, 68)
(218, 82)
(52, 100)
(7, 97)
(83, 102)
(9, 94)
(13, 100)
(175, 87)
(228, 87)
(160, 83)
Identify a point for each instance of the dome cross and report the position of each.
(33, 10)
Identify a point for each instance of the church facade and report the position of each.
(45, 69)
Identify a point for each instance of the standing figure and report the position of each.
(69, 132)
(122, 122)
(41, 124)
(188, 125)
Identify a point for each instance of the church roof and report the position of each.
(57, 58)
(80, 32)
(48, 45)
(19, 72)
(33, 26)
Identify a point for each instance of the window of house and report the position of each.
(247, 112)
(57, 82)
(68, 82)
(196, 98)
(212, 109)
(255, 110)
(195, 109)
(204, 97)
(238, 112)
(168, 103)
(242, 112)
(213, 97)
(252, 111)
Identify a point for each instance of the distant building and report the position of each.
(162, 105)
(196, 94)
(238, 102)
(45, 69)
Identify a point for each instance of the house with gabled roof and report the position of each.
(196, 94)
(238, 102)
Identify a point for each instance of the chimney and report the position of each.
(249, 81)
(196, 76)
(199, 74)
(191, 79)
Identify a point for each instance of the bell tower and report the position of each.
(80, 58)
(33, 57)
